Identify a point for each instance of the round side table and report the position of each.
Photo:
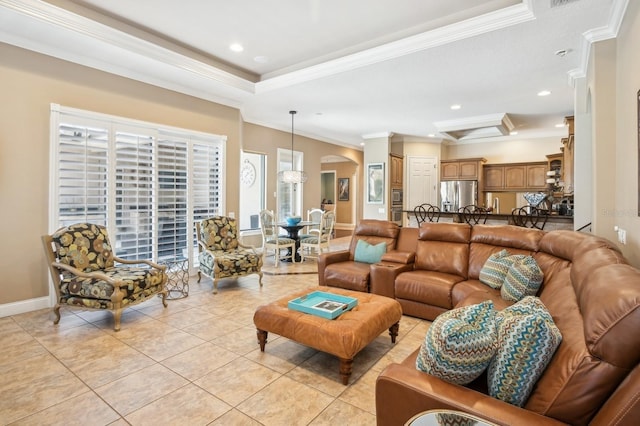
(177, 278)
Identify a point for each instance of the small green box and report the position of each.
(322, 304)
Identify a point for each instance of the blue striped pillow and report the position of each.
(527, 340)
(495, 269)
(523, 279)
(460, 344)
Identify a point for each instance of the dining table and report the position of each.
(293, 232)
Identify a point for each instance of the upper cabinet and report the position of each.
(515, 177)
(465, 169)
(396, 173)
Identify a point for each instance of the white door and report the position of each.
(421, 188)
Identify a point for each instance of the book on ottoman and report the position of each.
(322, 304)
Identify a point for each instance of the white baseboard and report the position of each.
(23, 306)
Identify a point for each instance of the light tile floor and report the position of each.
(197, 362)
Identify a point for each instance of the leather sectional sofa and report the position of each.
(591, 292)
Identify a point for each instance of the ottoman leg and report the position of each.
(345, 370)
(393, 331)
(262, 338)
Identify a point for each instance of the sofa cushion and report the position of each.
(369, 253)
(527, 340)
(459, 344)
(523, 279)
(496, 267)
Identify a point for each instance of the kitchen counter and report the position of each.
(553, 222)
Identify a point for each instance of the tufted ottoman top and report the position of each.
(344, 336)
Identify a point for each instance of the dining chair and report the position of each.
(314, 216)
(271, 240)
(474, 215)
(314, 245)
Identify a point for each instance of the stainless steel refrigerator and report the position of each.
(458, 193)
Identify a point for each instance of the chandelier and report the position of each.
(292, 176)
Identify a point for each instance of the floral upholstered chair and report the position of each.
(86, 274)
(221, 254)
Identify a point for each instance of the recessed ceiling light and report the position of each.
(361, 143)
(456, 106)
(431, 135)
(261, 59)
(544, 93)
(236, 47)
(513, 133)
(559, 125)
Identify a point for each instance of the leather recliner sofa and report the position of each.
(590, 290)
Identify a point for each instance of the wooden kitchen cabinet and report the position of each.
(396, 174)
(515, 177)
(493, 177)
(463, 169)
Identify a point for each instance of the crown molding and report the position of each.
(488, 22)
(598, 34)
(29, 16)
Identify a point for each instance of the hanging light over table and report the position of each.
(292, 176)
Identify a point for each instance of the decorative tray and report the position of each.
(322, 304)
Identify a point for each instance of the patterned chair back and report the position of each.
(219, 233)
(84, 246)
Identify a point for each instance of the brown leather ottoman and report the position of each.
(343, 337)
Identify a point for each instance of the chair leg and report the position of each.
(164, 297)
(56, 311)
(276, 255)
(117, 315)
(260, 278)
(199, 276)
(215, 285)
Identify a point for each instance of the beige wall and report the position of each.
(625, 164)
(29, 83)
(512, 151)
(345, 209)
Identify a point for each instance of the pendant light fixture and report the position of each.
(292, 176)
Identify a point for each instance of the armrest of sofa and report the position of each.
(326, 259)
(405, 257)
(403, 391)
(383, 275)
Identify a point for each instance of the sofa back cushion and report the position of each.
(443, 247)
(598, 319)
(374, 232)
(489, 239)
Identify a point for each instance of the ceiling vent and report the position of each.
(558, 3)
(484, 126)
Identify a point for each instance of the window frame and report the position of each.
(209, 171)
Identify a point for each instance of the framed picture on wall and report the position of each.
(343, 189)
(375, 183)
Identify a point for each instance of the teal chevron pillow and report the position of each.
(527, 340)
(460, 344)
(367, 253)
(523, 279)
(495, 269)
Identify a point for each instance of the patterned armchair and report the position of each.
(221, 255)
(85, 274)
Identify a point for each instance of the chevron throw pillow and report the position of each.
(527, 340)
(460, 344)
(523, 279)
(495, 269)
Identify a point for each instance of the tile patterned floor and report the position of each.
(197, 362)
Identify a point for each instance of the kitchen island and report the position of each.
(553, 222)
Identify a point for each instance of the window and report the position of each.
(148, 184)
(289, 194)
(252, 189)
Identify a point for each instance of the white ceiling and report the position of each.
(352, 69)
